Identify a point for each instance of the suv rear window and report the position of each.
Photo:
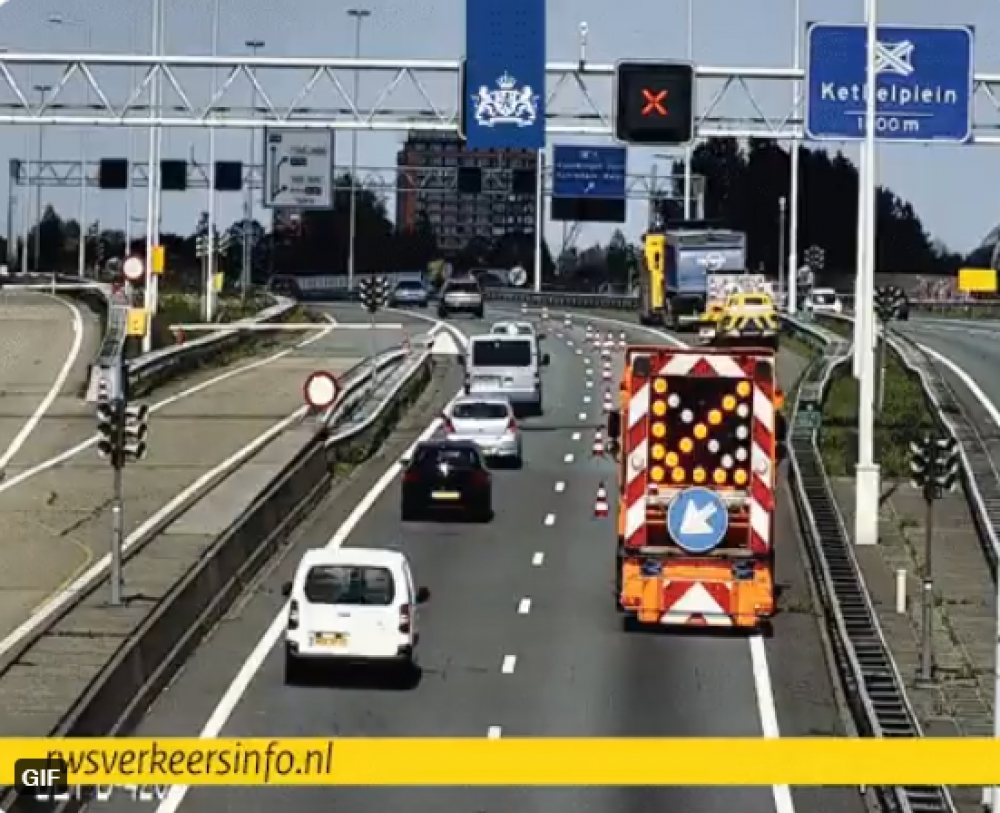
(347, 584)
(501, 353)
(482, 411)
(462, 287)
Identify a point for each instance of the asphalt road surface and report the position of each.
(521, 638)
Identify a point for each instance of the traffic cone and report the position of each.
(406, 345)
(609, 341)
(601, 502)
(621, 340)
(524, 307)
(598, 449)
(607, 401)
(545, 314)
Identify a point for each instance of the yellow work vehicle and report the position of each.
(708, 322)
(748, 320)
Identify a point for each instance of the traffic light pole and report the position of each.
(118, 505)
(927, 594)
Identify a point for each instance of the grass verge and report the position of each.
(904, 418)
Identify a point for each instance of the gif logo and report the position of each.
(43, 779)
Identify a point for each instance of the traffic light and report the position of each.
(374, 293)
(934, 466)
(654, 103)
(109, 425)
(112, 173)
(135, 430)
(228, 176)
(891, 302)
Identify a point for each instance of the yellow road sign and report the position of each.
(136, 325)
(977, 280)
(159, 259)
(218, 281)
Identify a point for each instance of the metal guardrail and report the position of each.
(874, 688)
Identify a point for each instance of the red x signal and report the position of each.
(655, 102)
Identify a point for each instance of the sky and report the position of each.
(951, 187)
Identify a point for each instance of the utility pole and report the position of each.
(122, 429)
(782, 276)
(245, 274)
(934, 467)
(359, 15)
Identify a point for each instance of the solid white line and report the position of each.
(524, 606)
(576, 436)
(238, 688)
(568, 458)
(538, 559)
(560, 487)
(550, 520)
(494, 732)
(768, 714)
(966, 379)
(508, 665)
(53, 392)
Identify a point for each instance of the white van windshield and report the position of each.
(344, 584)
(498, 353)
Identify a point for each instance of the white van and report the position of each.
(352, 605)
(508, 367)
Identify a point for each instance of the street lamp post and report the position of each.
(359, 15)
(689, 151)
(254, 46)
(42, 91)
(58, 19)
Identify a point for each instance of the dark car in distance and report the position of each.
(447, 478)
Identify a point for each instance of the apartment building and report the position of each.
(465, 194)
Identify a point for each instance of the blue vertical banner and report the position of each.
(505, 74)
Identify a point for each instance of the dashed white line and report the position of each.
(576, 436)
(560, 487)
(586, 361)
(524, 606)
(494, 732)
(538, 559)
(590, 385)
(579, 352)
(568, 458)
(508, 665)
(569, 342)
(550, 520)
(583, 416)
(586, 399)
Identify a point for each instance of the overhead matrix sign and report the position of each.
(298, 169)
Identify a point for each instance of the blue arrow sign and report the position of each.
(588, 171)
(924, 79)
(697, 520)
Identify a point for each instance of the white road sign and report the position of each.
(321, 390)
(133, 269)
(298, 169)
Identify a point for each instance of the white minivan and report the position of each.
(352, 606)
(507, 367)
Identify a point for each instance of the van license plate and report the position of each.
(332, 639)
(445, 495)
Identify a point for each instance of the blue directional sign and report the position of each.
(588, 172)
(924, 80)
(697, 520)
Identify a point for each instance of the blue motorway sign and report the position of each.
(588, 172)
(924, 80)
(697, 520)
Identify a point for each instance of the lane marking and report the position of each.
(494, 732)
(583, 416)
(589, 384)
(586, 399)
(538, 559)
(568, 458)
(560, 487)
(550, 520)
(576, 436)
(54, 391)
(524, 606)
(768, 712)
(508, 665)
(579, 352)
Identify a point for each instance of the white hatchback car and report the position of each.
(488, 422)
(349, 606)
(824, 300)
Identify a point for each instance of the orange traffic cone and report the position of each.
(598, 450)
(601, 502)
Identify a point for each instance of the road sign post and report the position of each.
(298, 169)
(925, 83)
(588, 183)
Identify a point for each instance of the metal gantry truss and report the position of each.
(382, 180)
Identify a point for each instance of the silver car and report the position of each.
(409, 292)
(488, 422)
(461, 296)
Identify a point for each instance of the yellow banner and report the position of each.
(539, 762)
(977, 280)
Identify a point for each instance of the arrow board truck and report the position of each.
(696, 435)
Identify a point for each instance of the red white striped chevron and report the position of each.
(637, 464)
(695, 603)
(707, 365)
(762, 475)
